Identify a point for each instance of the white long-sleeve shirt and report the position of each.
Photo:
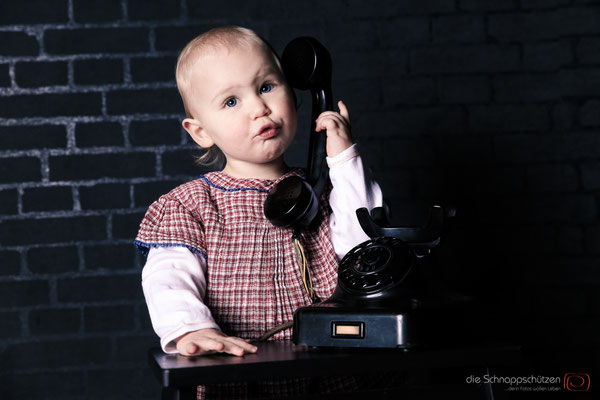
(174, 278)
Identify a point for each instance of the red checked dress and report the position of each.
(253, 280)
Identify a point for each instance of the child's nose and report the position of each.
(260, 109)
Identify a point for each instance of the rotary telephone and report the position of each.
(379, 300)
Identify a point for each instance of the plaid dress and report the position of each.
(253, 279)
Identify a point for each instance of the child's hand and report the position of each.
(338, 129)
(208, 341)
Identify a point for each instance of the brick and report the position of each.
(404, 31)
(265, 9)
(487, 5)
(547, 56)
(357, 8)
(130, 349)
(146, 193)
(526, 88)
(8, 201)
(588, 50)
(124, 383)
(18, 44)
(155, 132)
(20, 169)
(53, 260)
(521, 241)
(467, 150)
(155, 69)
(358, 65)
(570, 240)
(99, 134)
(170, 38)
(54, 385)
(590, 175)
(34, 12)
(11, 325)
(406, 152)
(53, 321)
(96, 40)
(100, 288)
(543, 24)
(564, 208)
(10, 261)
(126, 226)
(108, 319)
(486, 179)
(98, 72)
(508, 118)
(580, 82)
(413, 122)
(33, 137)
(465, 89)
(139, 9)
(97, 10)
(4, 75)
(459, 28)
(592, 238)
(146, 101)
(52, 230)
(35, 74)
(110, 257)
(358, 35)
(95, 166)
(47, 199)
(50, 105)
(589, 113)
(552, 178)
(24, 293)
(181, 162)
(56, 354)
(409, 90)
(144, 317)
(552, 147)
(563, 116)
(104, 196)
(536, 4)
(353, 92)
(465, 59)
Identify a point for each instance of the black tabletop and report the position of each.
(280, 359)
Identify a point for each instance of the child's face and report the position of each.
(242, 104)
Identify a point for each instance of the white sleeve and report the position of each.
(174, 284)
(353, 188)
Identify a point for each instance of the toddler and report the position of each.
(218, 273)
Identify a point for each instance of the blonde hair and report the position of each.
(228, 37)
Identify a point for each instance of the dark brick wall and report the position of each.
(491, 106)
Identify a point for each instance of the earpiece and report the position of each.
(293, 203)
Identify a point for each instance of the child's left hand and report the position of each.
(337, 126)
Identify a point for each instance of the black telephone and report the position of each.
(293, 202)
(379, 298)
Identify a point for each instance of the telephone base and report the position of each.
(325, 326)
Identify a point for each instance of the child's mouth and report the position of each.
(268, 131)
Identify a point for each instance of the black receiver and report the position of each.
(293, 202)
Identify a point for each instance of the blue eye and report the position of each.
(266, 88)
(231, 102)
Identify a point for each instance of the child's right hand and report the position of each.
(208, 341)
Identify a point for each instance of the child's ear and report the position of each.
(198, 134)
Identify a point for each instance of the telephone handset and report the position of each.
(293, 202)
